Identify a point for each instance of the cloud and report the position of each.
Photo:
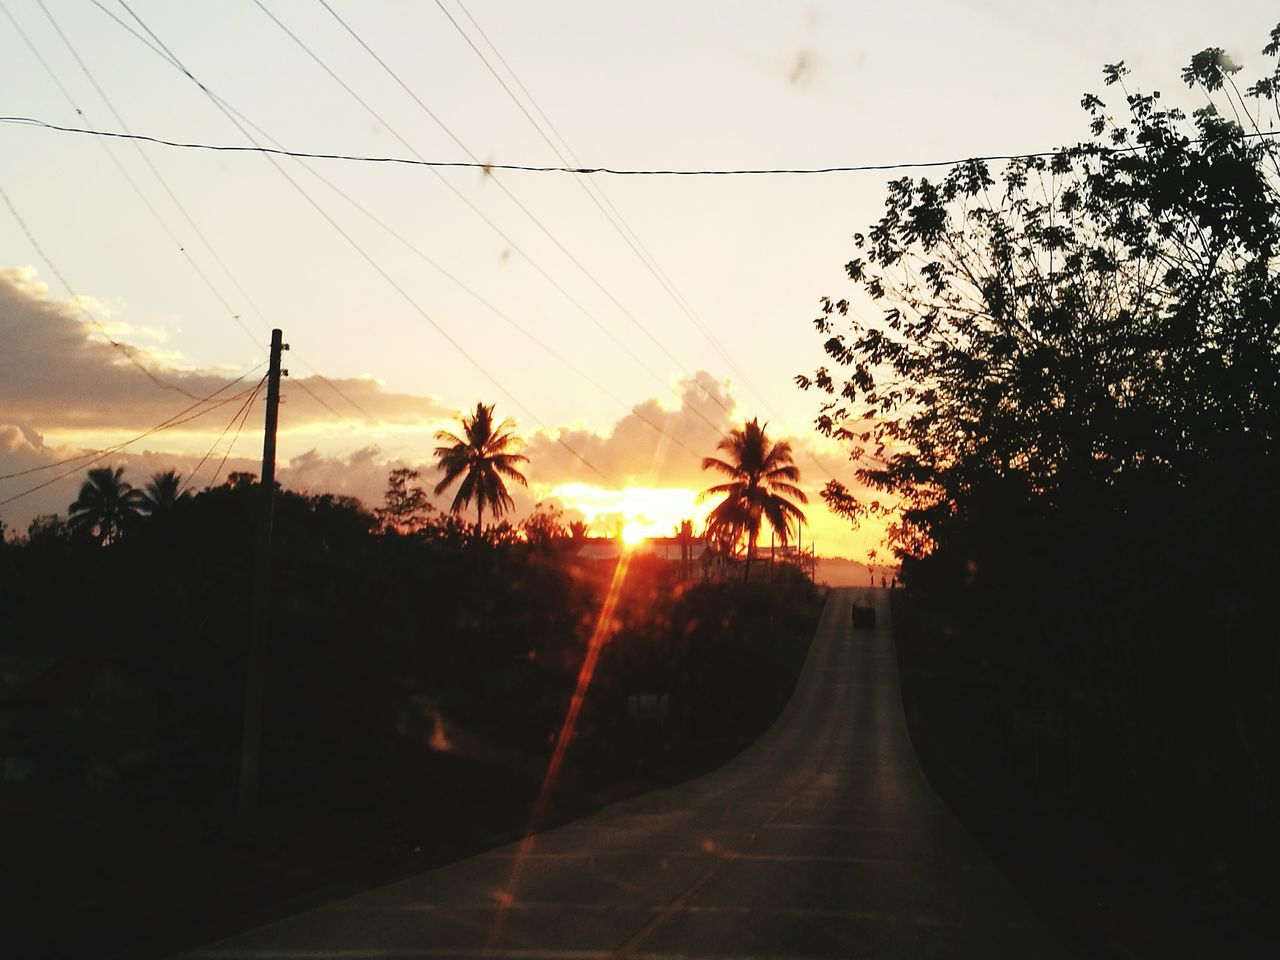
(62, 384)
(58, 372)
(317, 399)
(635, 452)
(361, 474)
(651, 446)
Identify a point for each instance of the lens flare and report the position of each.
(604, 624)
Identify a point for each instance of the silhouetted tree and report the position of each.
(162, 491)
(405, 508)
(107, 505)
(762, 476)
(481, 458)
(545, 525)
(1072, 389)
(1098, 313)
(47, 527)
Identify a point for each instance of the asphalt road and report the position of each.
(821, 840)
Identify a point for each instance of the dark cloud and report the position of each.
(56, 372)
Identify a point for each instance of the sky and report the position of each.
(408, 294)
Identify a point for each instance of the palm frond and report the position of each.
(789, 490)
(452, 470)
(790, 472)
(466, 490)
(715, 463)
(511, 473)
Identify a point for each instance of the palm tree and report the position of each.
(163, 490)
(762, 475)
(481, 457)
(106, 506)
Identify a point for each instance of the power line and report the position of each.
(174, 421)
(116, 161)
(241, 414)
(615, 219)
(413, 248)
(182, 209)
(92, 320)
(319, 400)
(300, 384)
(521, 206)
(663, 280)
(227, 107)
(487, 167)
(612, 214)
(465, 200)
(366, 256)
(84, 67)
(159, 179)
(164, 425)
(572, 160)
(247, 410)
(195, 228)
(167, 56)
(119, 166)
(505, 317)
(377, 116)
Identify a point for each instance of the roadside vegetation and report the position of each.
(1069, 388)
(419, 669)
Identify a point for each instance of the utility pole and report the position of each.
(251, 741)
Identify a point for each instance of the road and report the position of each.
(823, 839)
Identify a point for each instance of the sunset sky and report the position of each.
(552, 311)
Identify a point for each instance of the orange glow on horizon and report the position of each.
(635, 513)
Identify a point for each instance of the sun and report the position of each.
(637, 513)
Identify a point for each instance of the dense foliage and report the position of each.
(392, 655)
(1071, 396)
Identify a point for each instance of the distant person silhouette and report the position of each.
(883, 584)
(893, 584)
(872, 575)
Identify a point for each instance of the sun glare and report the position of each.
(637, 513)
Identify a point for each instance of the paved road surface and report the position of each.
(821, 840)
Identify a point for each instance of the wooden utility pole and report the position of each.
(251, 741)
